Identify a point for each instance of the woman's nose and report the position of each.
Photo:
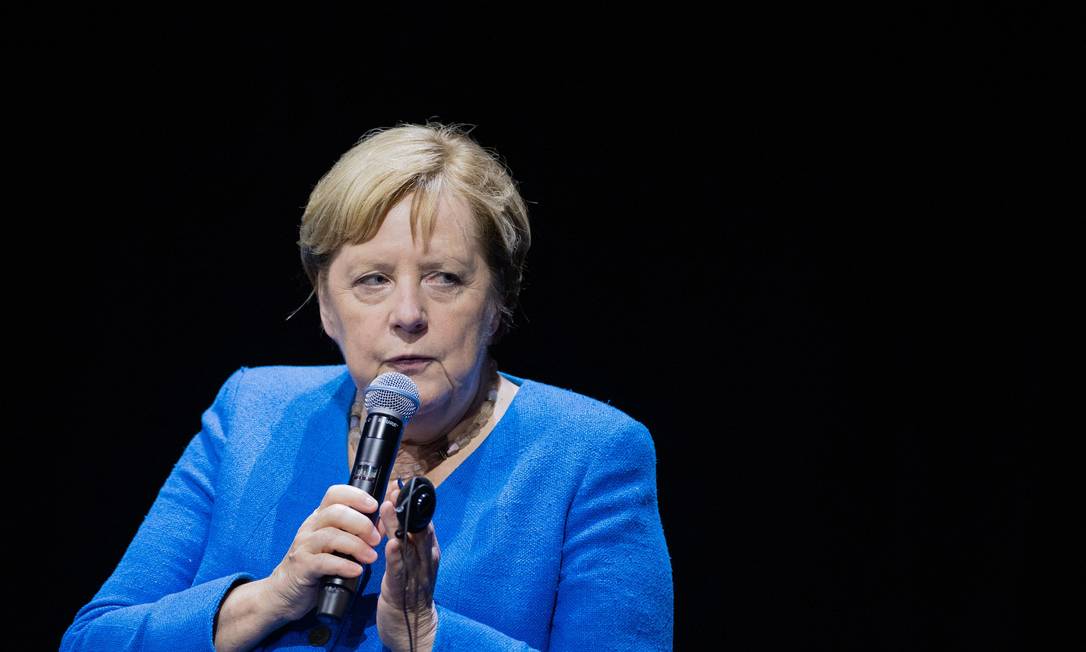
(408, 313)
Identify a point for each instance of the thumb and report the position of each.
(389, 522)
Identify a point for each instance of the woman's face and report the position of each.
(391, 296)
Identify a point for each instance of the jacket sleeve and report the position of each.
(615, 587)
(149, 601)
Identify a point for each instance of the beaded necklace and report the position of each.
(431, 454)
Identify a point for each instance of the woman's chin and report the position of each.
(428, 401)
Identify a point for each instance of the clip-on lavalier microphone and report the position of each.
(415, 505)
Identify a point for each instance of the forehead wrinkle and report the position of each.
(356, 258)
(431, 260)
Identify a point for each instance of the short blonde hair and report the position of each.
(350, 202)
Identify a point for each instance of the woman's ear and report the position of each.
(495, 322)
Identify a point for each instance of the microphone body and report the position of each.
(376, 454)
(380, 439)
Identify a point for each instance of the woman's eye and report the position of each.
(370, 280)
(445, 278)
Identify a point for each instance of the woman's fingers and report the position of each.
(423, 548)
(348, 519)
(422, 552)
(349, 495)
(331, 539)
(389, 523)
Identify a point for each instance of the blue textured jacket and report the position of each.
(550, 532)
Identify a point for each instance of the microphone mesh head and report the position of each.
(393, 392)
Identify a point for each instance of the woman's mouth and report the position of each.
(409, 364)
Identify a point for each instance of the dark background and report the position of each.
(805, 249)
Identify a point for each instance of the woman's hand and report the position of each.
(422, 554)
(339, 524)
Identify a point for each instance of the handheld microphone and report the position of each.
(391, 400)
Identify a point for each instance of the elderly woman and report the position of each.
(547, 531)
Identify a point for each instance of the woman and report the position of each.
(547, 532)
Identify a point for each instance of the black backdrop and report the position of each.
(802, 249)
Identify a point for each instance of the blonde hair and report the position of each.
(350, 202)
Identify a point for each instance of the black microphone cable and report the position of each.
(414, 517)
(403, 557)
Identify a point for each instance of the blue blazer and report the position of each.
(550, 532)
